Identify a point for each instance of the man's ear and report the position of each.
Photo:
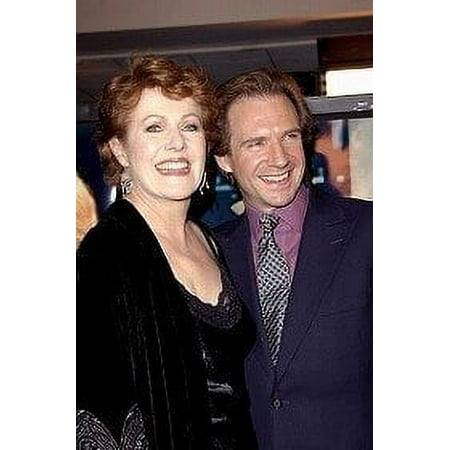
(119, 152)
(225, 163)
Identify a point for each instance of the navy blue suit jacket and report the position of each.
(319, 396)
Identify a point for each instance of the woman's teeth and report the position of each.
(172, 165)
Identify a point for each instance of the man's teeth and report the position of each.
(275, 178)
(172, 165)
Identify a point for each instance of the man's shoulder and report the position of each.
(356, 206)
(349, 206)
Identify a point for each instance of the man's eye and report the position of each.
(191, 127)
(293, 135)
(255, 143)
(154, 128)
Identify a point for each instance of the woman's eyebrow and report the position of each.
(153, 116)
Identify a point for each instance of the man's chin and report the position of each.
(279, 201)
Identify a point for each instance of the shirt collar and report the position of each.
(290, 215)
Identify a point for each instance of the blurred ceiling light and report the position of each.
(348, 82)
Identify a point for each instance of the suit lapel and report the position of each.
(325, 235)
(238, 250)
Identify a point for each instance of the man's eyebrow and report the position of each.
(252, 139)
(291, 130)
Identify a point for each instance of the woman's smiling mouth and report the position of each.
(174, 167)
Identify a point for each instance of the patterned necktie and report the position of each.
(273, 281)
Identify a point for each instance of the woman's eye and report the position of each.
(191, 127)
(154, 128)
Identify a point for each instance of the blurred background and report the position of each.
(326, 45)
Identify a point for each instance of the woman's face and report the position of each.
(164, 149)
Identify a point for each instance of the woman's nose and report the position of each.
(176, 141)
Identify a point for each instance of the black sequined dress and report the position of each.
(225, 335)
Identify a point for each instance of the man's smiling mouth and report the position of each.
(279, 178)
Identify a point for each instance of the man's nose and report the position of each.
(277, 155)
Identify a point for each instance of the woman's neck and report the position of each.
(167, 218)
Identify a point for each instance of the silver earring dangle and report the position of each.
(204, 185)
(126, 186)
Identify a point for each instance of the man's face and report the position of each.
(266, 154)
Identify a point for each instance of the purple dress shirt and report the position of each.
(288, 233)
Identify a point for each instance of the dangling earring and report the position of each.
(126, 186)
(204, 185)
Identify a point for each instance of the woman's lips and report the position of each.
(173, 167)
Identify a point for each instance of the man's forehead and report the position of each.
(252, 113)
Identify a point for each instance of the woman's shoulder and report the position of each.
(102, 242)
(118, 231)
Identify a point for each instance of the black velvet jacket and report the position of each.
(138, 343)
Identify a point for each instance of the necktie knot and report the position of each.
(269, 222)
